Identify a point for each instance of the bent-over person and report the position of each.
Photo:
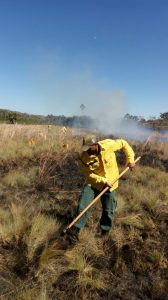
(99, 164)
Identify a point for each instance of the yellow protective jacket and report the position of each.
(103, 167)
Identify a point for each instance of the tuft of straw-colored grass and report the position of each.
(13, 222)
(31, 293)
(51, 262)
(133, 220)
(120, 265)
(159, 287)
(16, 179)
(89, 245)
(89, 277)
(42, 228)
(118, 235)
(158, 259)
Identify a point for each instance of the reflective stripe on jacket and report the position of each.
(103, 167)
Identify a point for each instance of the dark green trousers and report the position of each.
(108, 201)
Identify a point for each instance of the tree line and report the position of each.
(83, 121)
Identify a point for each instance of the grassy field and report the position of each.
(39, 189)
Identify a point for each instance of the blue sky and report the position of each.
(111, 55)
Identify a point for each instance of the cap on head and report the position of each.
(88, 140)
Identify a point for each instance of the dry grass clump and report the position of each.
(59, 171)
(159, 286)
(13, 223)
(89, 245)
(118, 235)
(148, 189)
(88, 278)
(41, 228)
(51, 260)
(153, 154)
(33, 293)
(132, 220)
(16, 179)
(26, 253)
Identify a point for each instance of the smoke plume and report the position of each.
(64, 90)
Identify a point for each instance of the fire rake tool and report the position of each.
(95, 199)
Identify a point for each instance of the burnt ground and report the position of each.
(136, 268)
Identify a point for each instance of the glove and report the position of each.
(131, 166)
(108, 184)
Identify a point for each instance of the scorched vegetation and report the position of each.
(39, 188)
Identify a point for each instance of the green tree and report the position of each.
(12, 117)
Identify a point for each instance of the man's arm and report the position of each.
(93, 178)
(123, 145)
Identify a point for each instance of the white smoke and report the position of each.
(64, 91)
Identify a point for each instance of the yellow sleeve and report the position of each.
(121, 144)
(92, 177)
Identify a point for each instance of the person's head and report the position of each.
(90, 145)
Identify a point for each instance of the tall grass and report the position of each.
(13, 223)
(42, 228)
(24, 141)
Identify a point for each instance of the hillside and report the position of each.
(12, 117)
(39, 189)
